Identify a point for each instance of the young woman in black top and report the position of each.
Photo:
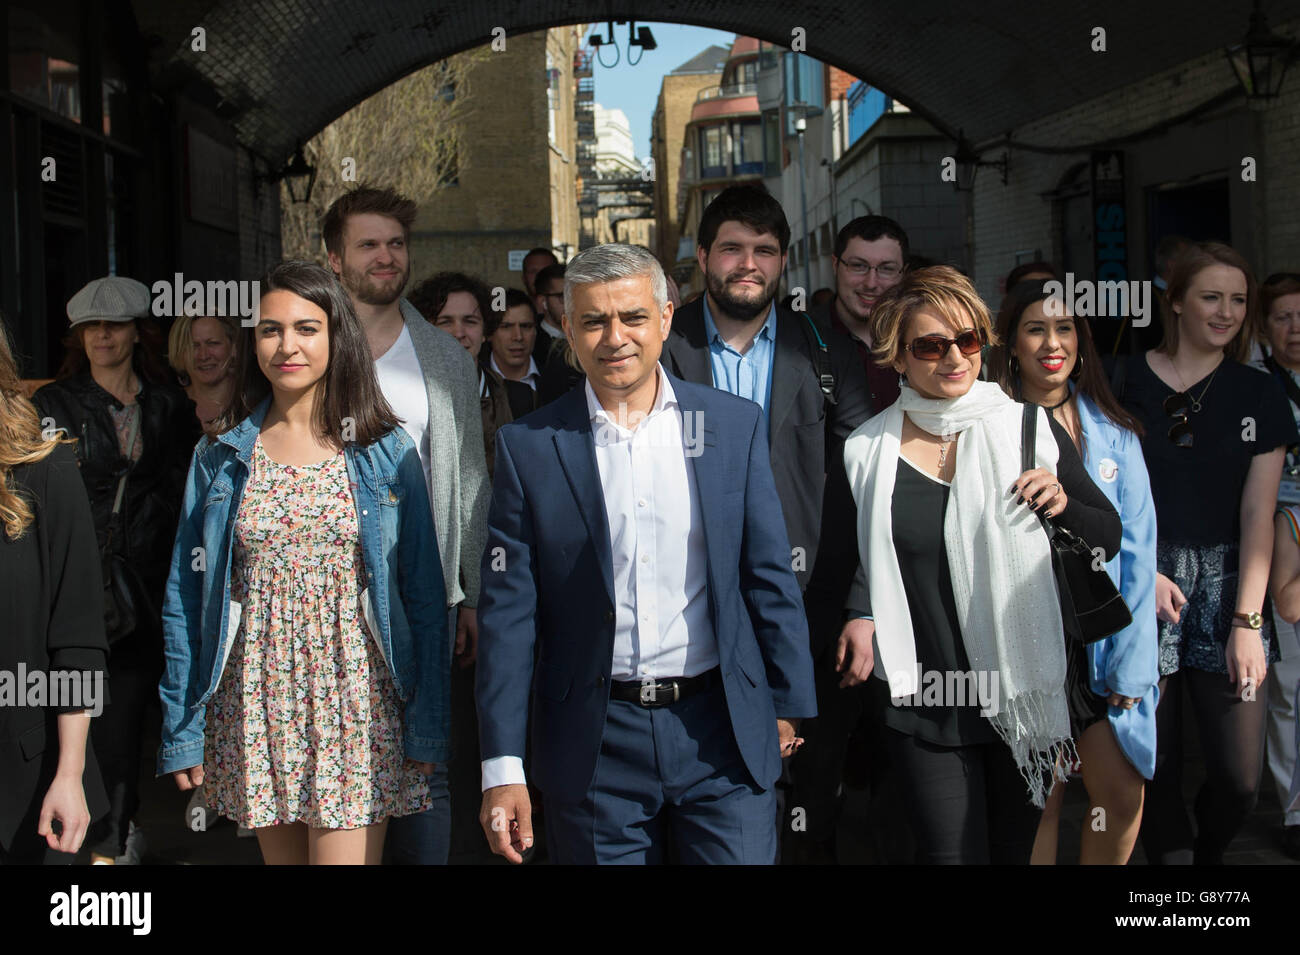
(1216, 432)
(50, 595)
(955, 604)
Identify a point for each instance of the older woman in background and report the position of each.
(202, 351)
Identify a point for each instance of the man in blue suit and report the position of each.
(665, 652)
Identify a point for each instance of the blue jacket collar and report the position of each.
(243, 436)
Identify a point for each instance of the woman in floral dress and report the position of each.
(306, 544)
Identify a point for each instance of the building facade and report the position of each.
(678, 93)
(1180, 152)
(521, 128)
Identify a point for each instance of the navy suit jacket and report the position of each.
(546, 611)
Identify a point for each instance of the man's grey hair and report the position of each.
(605, 263)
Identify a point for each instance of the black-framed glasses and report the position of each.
(885, 270)
(1179, 406)
(934, 347)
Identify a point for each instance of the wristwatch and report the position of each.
(1251, 621)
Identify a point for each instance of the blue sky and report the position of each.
(635, 89)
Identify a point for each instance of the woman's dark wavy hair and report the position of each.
(1087, 374)
(349, 390)
(146, 354)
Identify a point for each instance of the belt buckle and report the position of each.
(677, 690)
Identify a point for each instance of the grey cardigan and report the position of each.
(458, 486)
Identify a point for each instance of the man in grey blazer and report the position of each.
(431, 382)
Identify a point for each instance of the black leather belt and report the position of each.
(661, 692)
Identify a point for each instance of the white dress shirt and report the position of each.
(530, 377)
(662, 625)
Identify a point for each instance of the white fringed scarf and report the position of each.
(999, 559)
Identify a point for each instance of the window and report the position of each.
(713, 157)
(772, 143)
(44, 53)
(747, 147)
(804, 84)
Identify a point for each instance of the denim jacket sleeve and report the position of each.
(424, 601)
(1132, 667)
(179, 689)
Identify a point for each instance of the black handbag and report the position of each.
(1091, 606)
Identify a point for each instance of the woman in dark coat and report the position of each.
(109, 389)
(49, 600)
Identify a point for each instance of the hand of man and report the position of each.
(785, 731)
(466, 635)
(507, 820)
(854, 656)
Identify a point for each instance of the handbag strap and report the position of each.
(130, 445)
(1028, 444)
(1028, 436)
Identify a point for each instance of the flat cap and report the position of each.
(112, 299)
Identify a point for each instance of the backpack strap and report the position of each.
(821, 357)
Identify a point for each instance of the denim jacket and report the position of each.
(1126, 662)
(404, 601)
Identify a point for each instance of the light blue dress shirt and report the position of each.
(748, 375)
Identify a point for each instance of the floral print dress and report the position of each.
(305, 725)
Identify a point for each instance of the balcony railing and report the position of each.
(724, 92)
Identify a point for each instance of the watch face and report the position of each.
(1256, 620)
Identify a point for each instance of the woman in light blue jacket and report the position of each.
(307, 675)
(1049, 358)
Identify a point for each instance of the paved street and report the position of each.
(171, 842)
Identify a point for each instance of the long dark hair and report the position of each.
(1087, 373)
(349, 391)
(146, 354)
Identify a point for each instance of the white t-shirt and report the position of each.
(402, 383)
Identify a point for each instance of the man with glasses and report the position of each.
(547, 293)
(870, 256)
(871, 253)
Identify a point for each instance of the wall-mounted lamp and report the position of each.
(297, 175)
(1260, 59)
(968, 164)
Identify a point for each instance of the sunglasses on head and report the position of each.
(934, 347)
(1178, 406)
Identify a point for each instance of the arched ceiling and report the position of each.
(280, 70)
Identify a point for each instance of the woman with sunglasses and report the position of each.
(1280, 304)
(1216, 431)
(1049, 358)
(955, 585)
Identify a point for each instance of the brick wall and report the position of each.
(1263, 223)
(505, 193)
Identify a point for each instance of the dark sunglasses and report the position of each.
(934, 347)
(1178, 406)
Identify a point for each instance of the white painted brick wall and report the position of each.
(1016, 216)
